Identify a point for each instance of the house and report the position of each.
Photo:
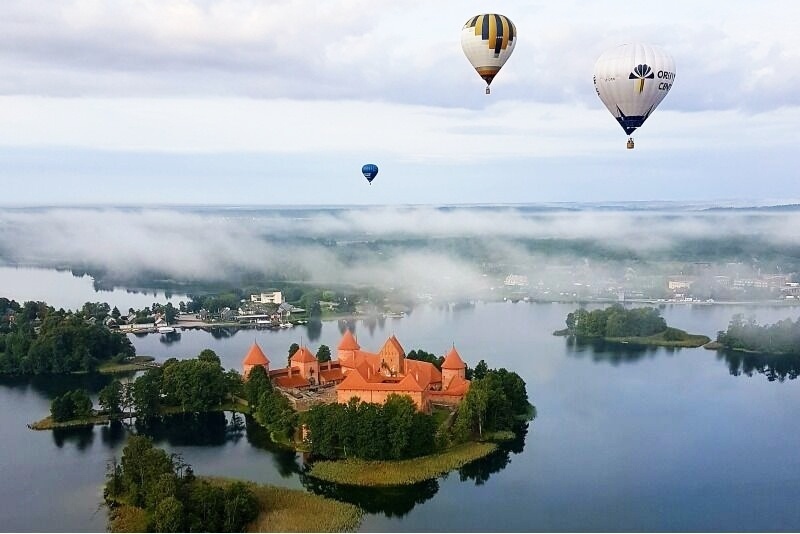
(273, 297)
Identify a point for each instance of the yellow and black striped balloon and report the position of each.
(487, 41)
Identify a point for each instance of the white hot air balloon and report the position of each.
(632, 80)
(487, 41)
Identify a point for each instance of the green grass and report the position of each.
(686, 340)
(287, 510)
(280, 510)
(137, 364)
(48, 424)
(400, 472)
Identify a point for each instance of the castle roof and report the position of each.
(255, 356)
(453, 360)
(294, 381)
(303, 355)
(457, 386)
(392, 344)
(348, 341)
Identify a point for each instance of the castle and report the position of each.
(368, 376)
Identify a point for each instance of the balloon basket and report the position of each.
(630, 143)
(488, 91)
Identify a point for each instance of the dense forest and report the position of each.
(615, 321)
(497, 399)
(149, 490)
(782, 337)
(37, 339)
(391, 431)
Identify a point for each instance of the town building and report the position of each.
(272, 297)
(370, 376)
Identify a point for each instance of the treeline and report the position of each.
(268, 406)
(71, 405)
(37, 339)
(149, 490)
(496, 401)
(391, 431)
(782, 337)
(194, 385)
(616, 321)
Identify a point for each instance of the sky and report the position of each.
(282, 102)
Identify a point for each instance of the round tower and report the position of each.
(452, 366)
(255, 357)
(346, 351)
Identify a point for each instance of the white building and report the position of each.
(516, 280)
(273, 297)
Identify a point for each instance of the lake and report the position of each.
(625, 439)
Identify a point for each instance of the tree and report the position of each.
(110, 398)
(257, 383)
(168, 516)
(115, 313)
(146, 393)
(480, 370)
(209, 355)
(61, 408)
(324, 353)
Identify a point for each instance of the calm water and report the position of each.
(625, 439)
(61, 289)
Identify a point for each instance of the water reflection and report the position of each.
(170, 337)
(613, 353)
(394, 501)
(397, 501)
(483, 469)
(774, 366)
(314, 328)
(81, 437)
(50, 386)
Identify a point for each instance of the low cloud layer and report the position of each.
(422, 249)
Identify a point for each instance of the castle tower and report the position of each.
(392, 357)
(255, 358)
(452, 366)
(346, 352)
(306, 364)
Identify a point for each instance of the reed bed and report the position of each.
(287, 510)
(401, 472)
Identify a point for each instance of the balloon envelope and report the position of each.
(487, 41)
(632, 80)
(370, 171)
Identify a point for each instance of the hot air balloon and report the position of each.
(370, 171)
(632, 80)
(488, 41)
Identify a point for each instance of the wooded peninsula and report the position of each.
(637, 326)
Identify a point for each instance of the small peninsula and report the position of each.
(781, 338)
(637, 326)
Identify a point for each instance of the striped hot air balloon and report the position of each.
(632, 80)
(487, 41)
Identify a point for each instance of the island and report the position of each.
(636, 326)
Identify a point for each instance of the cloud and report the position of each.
(436, 250)
(737, 57)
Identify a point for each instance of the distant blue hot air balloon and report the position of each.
(370, 171)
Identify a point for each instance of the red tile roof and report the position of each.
(331, 375)
(453, 360)
(255, 356)
(303, 355)
(294, 381)
(457, 386)
(348, 342)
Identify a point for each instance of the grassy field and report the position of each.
(402, 472)
(281, 510)
(286, 510)
(137, 364)
(48, 424)
(687, 340)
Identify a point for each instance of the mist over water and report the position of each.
(446, 250)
